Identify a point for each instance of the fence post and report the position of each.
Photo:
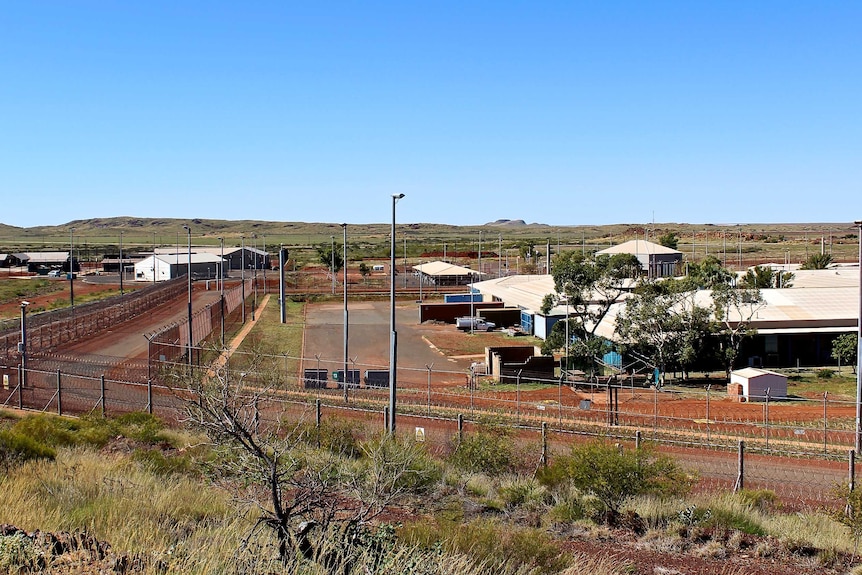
(386, 418)
(852, 469)
(654, 410)
(102, 389)
(638, 439)
(518, 393)
(150, 396)
(460, 427)
(59, 395)
(740, 478)
(21, 386)
(317, 420)
(766, 418)
(825, 427)
(544, 460)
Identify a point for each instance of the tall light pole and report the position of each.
(344, 265)
(121, 262)
(500, 257)
(221, 291)
(154, 258)
(254, 277)
(242, 275)
(23, 346)
(71, 269)
(264, 263)
(393, 335)
(189, 232)
(859, 350)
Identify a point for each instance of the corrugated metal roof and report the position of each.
(183, 259)
(228, 250)
(38, 257)
(635, 247)
(444, 269)
(752, 372)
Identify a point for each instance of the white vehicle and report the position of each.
(474, 323)
(54, 273)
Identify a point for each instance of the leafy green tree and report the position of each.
(734, 310)
(333, 262)
(844, 349)
(548, 303)
(364, 270)
(764, 277)
(669, 240)
(709, 273)
(663, 321)
(592, 285)
(817, 262)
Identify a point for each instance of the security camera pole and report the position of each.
(23, 346)
(189, 230)
(393, 336)
(859, 350)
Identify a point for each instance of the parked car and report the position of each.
(55, 273)
(474, 323)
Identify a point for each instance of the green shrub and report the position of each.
(335, 436)
(398, 465)
(48, 429)
(733, 520)
(487, 452)
(614, 475)
(825, 373)
(523, 492)
(499, 547)
(17, 448)
(760, 499)
(161, 464)
(141, 426)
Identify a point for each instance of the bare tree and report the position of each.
(317, 503)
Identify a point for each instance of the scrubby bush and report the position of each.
(399, 466)
(760, 499)
(825, 373)
(523, 492)
(17, 448)
(614, 475)
(502, 548)
(484, 451)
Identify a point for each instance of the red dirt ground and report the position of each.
(82, 287)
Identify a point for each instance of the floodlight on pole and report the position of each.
(121, 262)
(254, 278)
(189, 275)
(393, 336)
(858, 224)
(23, 346)
(242, 275)
(71, 269)
(221, 283)
(346, 323)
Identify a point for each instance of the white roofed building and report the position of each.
(445, 274)
(656, 260)
(162, 267)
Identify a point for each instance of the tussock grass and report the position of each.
(117, 501)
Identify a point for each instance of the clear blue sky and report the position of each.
(555, 112)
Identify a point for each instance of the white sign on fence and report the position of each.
(420, 434)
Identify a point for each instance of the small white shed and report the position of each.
(752, 384)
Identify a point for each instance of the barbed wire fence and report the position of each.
(756, 447)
